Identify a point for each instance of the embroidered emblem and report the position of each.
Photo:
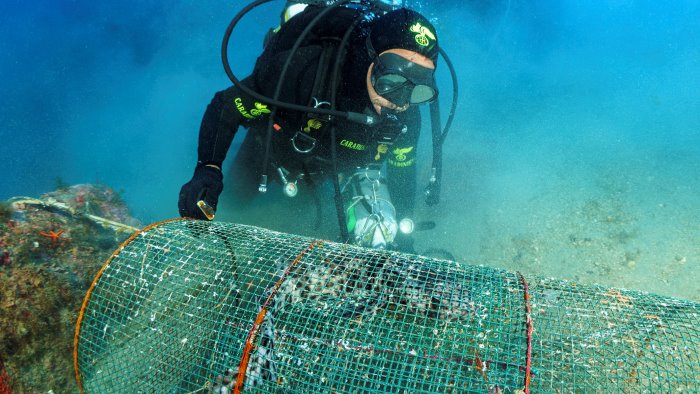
(381, 149)
(423, 34)
(260, 109)
(312, 124)
(400, 153)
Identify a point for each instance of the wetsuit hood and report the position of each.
(403, 28)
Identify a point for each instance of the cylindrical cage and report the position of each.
(195, 307)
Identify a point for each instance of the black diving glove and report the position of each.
(206, 185)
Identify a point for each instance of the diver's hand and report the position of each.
(206, 185)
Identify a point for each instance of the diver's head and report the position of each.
(404, 48)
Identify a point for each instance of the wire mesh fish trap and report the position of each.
(205, 307)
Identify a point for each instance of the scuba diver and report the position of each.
(374, 65)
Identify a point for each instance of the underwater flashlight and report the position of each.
(206, 209)
(406, 226)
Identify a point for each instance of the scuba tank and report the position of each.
(371, 217)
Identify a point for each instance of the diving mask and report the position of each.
(402, 81)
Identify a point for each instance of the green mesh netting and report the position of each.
(205, 307)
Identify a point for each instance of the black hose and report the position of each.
(335, 78)
(278, 88)
(432, 191)
(455, 95)
(351, 116)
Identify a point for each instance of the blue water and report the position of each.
(575, 151)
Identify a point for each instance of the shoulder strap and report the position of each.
(322, 82)
(304, 140)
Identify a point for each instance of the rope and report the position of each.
(53, 204)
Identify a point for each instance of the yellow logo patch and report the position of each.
(312, 124)
(400, 157)
(381, 149)
(400, 153)
(423, 34)
(260, 109)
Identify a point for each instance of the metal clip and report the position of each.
(301, 136)
(262, 187)
(318, 103)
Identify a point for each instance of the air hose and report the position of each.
(351, 116)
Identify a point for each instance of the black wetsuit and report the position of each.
(357, 145)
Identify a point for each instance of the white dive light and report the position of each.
(406, 226)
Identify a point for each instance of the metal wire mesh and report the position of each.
(192, 306)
